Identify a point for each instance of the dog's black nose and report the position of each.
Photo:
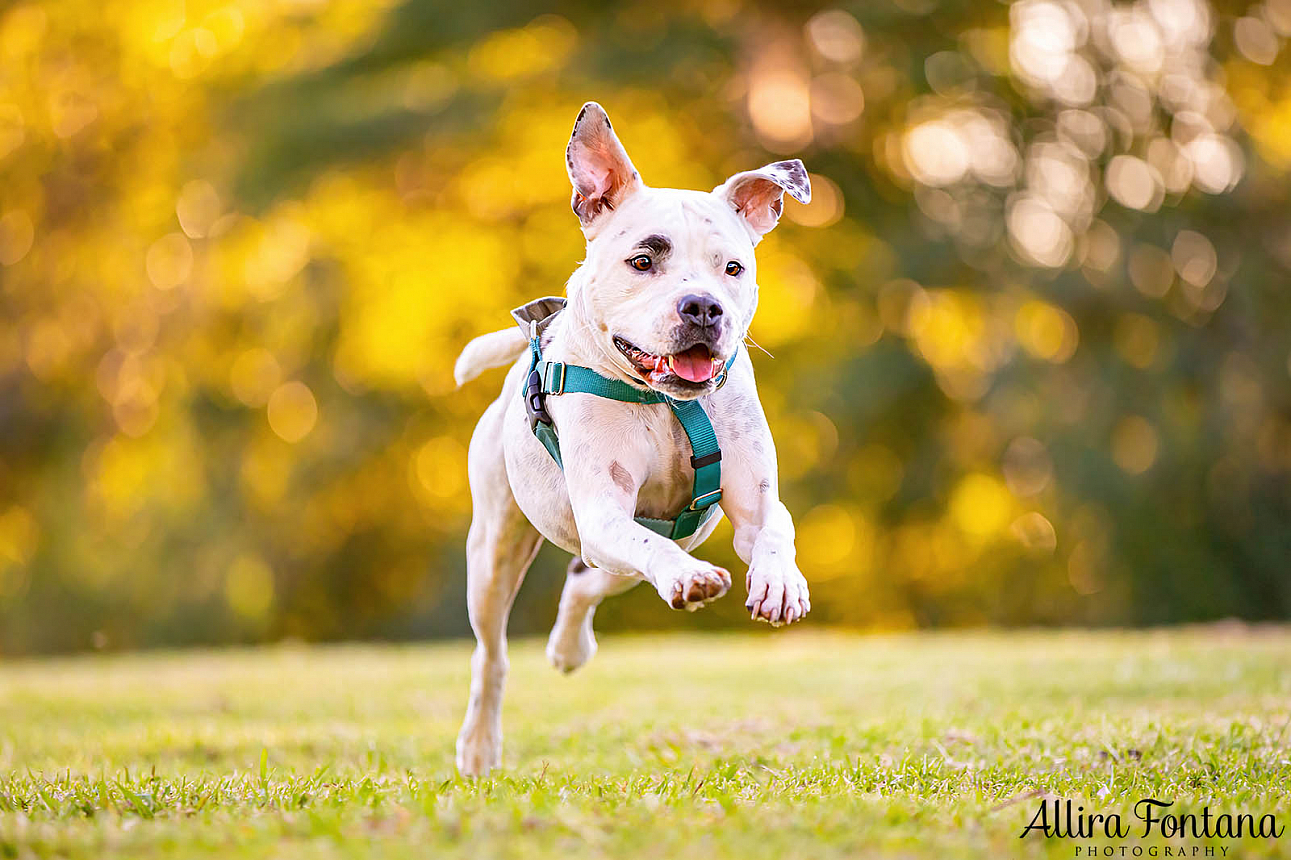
(703, 311)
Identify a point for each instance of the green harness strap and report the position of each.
(556, 378)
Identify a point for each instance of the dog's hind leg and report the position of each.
(499, 548)
(572, 642)
(498, 552)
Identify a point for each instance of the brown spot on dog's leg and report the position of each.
(620, 476)
(576, 566)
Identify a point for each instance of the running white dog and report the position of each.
(660, 306)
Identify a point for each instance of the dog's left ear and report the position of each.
(599, 167)
(758, 195)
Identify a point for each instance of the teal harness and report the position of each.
(555, 378)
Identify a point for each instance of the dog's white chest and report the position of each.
(641, 448)
(669, 478)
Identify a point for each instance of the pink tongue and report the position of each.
(695, 364)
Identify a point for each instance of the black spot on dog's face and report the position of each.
(659, 245)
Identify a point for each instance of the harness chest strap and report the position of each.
(555, 378)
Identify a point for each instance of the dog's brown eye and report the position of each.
(641, 263)
(733, 269)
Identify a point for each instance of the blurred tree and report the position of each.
(1032, 339)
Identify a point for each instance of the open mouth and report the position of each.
(696, 365)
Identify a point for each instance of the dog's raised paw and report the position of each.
(568, 649)
(777, 599)
(697, 588)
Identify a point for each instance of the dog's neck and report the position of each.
(579, 343)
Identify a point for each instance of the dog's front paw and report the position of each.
(691, 589)
(777, 597)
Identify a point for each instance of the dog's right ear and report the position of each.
(599, 167)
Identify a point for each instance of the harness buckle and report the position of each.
(699, 502)
(555, 370)
(535, 402)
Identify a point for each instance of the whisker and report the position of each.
(749, 339)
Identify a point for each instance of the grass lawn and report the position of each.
(770, 744)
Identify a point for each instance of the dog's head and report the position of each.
(669, 286)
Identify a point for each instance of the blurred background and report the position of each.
(1031, 338)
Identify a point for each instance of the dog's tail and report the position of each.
(489, 350)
